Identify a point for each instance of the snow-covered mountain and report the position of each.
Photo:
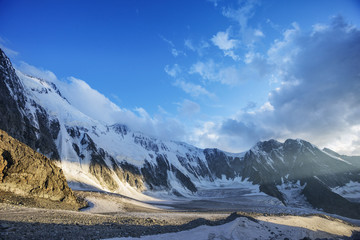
(118, 159)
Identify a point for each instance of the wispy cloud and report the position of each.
(9, 52)
(188, 108)
(193, 89)
(189, 44)
(174, 51)
(173, 71)
(215, 2)
(210, 71)
(200, 47)
(241, 15)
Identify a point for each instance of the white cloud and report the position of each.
(230, 53)
(205, 69)
(89, 101)
(189, 44)
(175, 52)
(222, 41)
(273, 25)
(193, 89)
(200, 47)
(37, 72)
(318, 97)
(172, 71)
(9, 52)
(167, 41)
(319, 27)
(210, 71)
(188, 108)
(99, 107)
(205, 135)
(215, 2)
(241, 16)
(258, 33)
(95, 105)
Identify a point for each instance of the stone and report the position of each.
(31, 175)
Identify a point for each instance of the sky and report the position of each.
(213, 73)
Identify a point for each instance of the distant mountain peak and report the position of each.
(267, 146)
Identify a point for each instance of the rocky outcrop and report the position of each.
(130, 174)
(27, 173)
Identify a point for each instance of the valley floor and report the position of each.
(111, 215)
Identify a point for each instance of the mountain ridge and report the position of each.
(115, 158)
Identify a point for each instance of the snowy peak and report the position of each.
(331, 152)
(267, 146)
(40, 86)
(120, 129)
(118, 159)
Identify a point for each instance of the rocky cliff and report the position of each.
(27, 173)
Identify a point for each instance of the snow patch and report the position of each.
(291, 227)
(350, 191)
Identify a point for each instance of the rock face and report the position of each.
(30, 174)
(321, 196)
(36, 130)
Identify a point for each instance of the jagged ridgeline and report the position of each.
(112, 157)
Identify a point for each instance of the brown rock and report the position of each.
(27, 173)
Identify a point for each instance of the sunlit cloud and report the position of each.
(95, 105)
(318, 96)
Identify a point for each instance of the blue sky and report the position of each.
(220, 74)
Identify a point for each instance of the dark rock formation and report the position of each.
(218, 163)
(13, 119)
(320, 196)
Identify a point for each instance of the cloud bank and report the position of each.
(97, 106)
(317, 97)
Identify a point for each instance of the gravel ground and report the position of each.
(31, 223)
(131, 218)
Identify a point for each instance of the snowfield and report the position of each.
(350, 191)
(242, 228)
